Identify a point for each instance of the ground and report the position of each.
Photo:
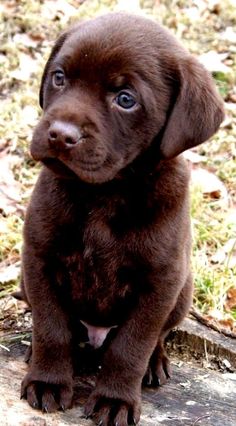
(195, 394)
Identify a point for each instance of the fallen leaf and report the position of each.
(27, 66)
(228, 324)
(214, 315)
(228, 250)
(193, 13)
(230, 302)
(29, 115)
(229, 35)
(213, 61)
(9, 187)
(230, 376)
(218, 257)
(223, 325)
(53, 8)
(10, 272)
(25, 39)
(186, 384)
(3, 58)
(226, 363)
(131, 5)
(209, 184)
(194, 157)
(230, 107)
(227, 123)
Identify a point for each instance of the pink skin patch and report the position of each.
(97, 335)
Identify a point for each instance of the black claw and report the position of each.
(89, 415)
(147, 380)
(45, 409)
(166, 373)
(35, 405)
(101, 423)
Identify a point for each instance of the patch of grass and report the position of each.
(10, 237)
(211, 231)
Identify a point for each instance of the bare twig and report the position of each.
(196, 314)
(200, 418)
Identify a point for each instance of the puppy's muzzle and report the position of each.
(63, 135)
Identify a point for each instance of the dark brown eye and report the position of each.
(125, 100)
(58, 78)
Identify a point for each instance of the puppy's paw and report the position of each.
(112, 411)
(48, 397)
(158, 371)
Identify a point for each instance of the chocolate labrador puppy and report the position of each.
(107, 232)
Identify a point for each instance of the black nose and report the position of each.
(63, 135)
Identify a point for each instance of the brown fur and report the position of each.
(107, 233)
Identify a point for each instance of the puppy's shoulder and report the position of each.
(172, 180)
(160, 191)
(49, 202)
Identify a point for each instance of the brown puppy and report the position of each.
(107, 235)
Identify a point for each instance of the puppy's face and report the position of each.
(110, 90)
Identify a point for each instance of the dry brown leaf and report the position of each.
(230, 302)
(228, 324)
(225, 324)
(209, 184)
(25, 39)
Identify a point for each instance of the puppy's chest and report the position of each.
(101, 255)
(99, 270)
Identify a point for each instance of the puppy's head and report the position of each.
(112, 88)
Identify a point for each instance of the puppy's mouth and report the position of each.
(94, 172)
(85, 170)
(89, 171)
(70, 153)
(58, 168)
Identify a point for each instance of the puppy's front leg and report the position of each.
(117, 396)
(48, 384)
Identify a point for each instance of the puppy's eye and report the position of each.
(58, 78)
(125, 100)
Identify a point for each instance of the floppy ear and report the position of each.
(197, 112)
(53, 53)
